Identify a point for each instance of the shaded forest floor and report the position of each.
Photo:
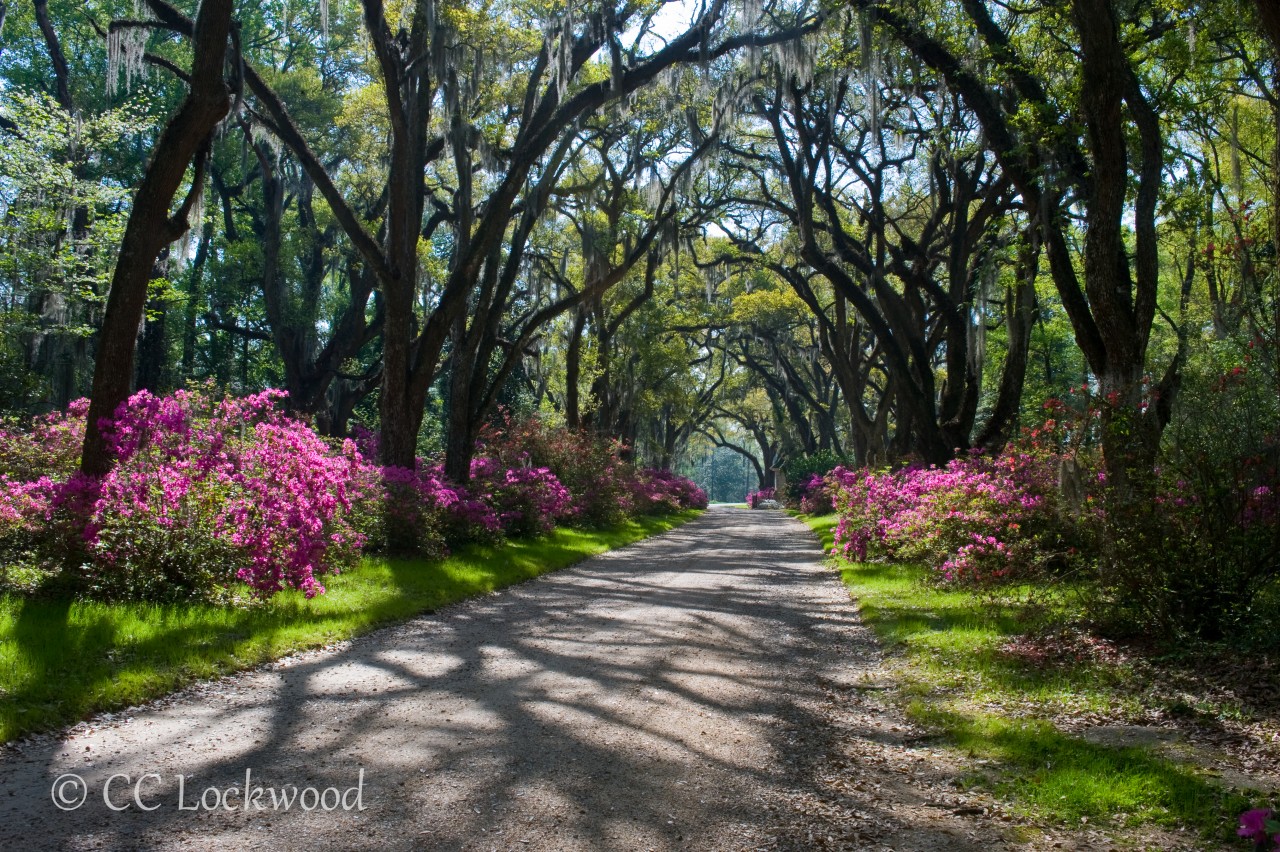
(1114, 745)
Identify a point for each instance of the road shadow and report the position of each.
(660, 696)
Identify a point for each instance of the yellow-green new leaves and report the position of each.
(770, 308)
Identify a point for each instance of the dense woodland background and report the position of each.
(734, 236)
(883, 237)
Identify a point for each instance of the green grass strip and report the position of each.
(954, 680)
(61, 660)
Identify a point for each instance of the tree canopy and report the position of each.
(886, 232)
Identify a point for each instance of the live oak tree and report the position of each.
(152, 224)
(478, 169)
(889, 201)
(460, 159)
(415, 207)
(592, 183)
(1086, 132)
(1269, 17)
(553, 96)
(777, 342)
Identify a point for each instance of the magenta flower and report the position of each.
(1256, 824)
(208, 491)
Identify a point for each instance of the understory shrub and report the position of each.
(418, 511)
(602, 487)
(1200, 555)
(590, 468)
(405, 511)
(816, 495)
(1192, 551)
(660, 492)
(977, 520)
(48, 447)
(207, 493)
(203, 493)
(524, 500)
(801, 472)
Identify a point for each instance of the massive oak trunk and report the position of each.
(1123, 312)
(152, 226)
(1269, 15)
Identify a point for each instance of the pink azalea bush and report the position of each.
(25, 510)
(1261, 827)
(523, 500)
(204, 491)
(659, 492)
(416, 511)
(975, 520)
(589, 467)
(603, 488)
(207, 493)
(48, 447)
(423, 513)
(34, 462)
(816, 497)
(805, 473)
(404, 511)
(755, 498)
(1198, 555)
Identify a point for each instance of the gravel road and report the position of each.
(707, 689)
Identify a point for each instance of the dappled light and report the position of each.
(330, 331)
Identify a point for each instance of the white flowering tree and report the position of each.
(60, 224)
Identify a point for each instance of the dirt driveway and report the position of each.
(707, 689)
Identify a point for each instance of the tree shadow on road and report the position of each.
(662, 696)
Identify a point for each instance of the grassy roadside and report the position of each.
(62, 660)
(956, 659)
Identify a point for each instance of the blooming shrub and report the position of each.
(524, 500)
(689, 495)
(25, 508)
(50, 447)
(204, 491)
(800, 472)
(591, 468)
(1202, 558)
(658, 492)
(405, 511)
(1261, 827)
(816, 495)
(1192, 550)
(755, 498)
(975, 520)
(603, 488)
